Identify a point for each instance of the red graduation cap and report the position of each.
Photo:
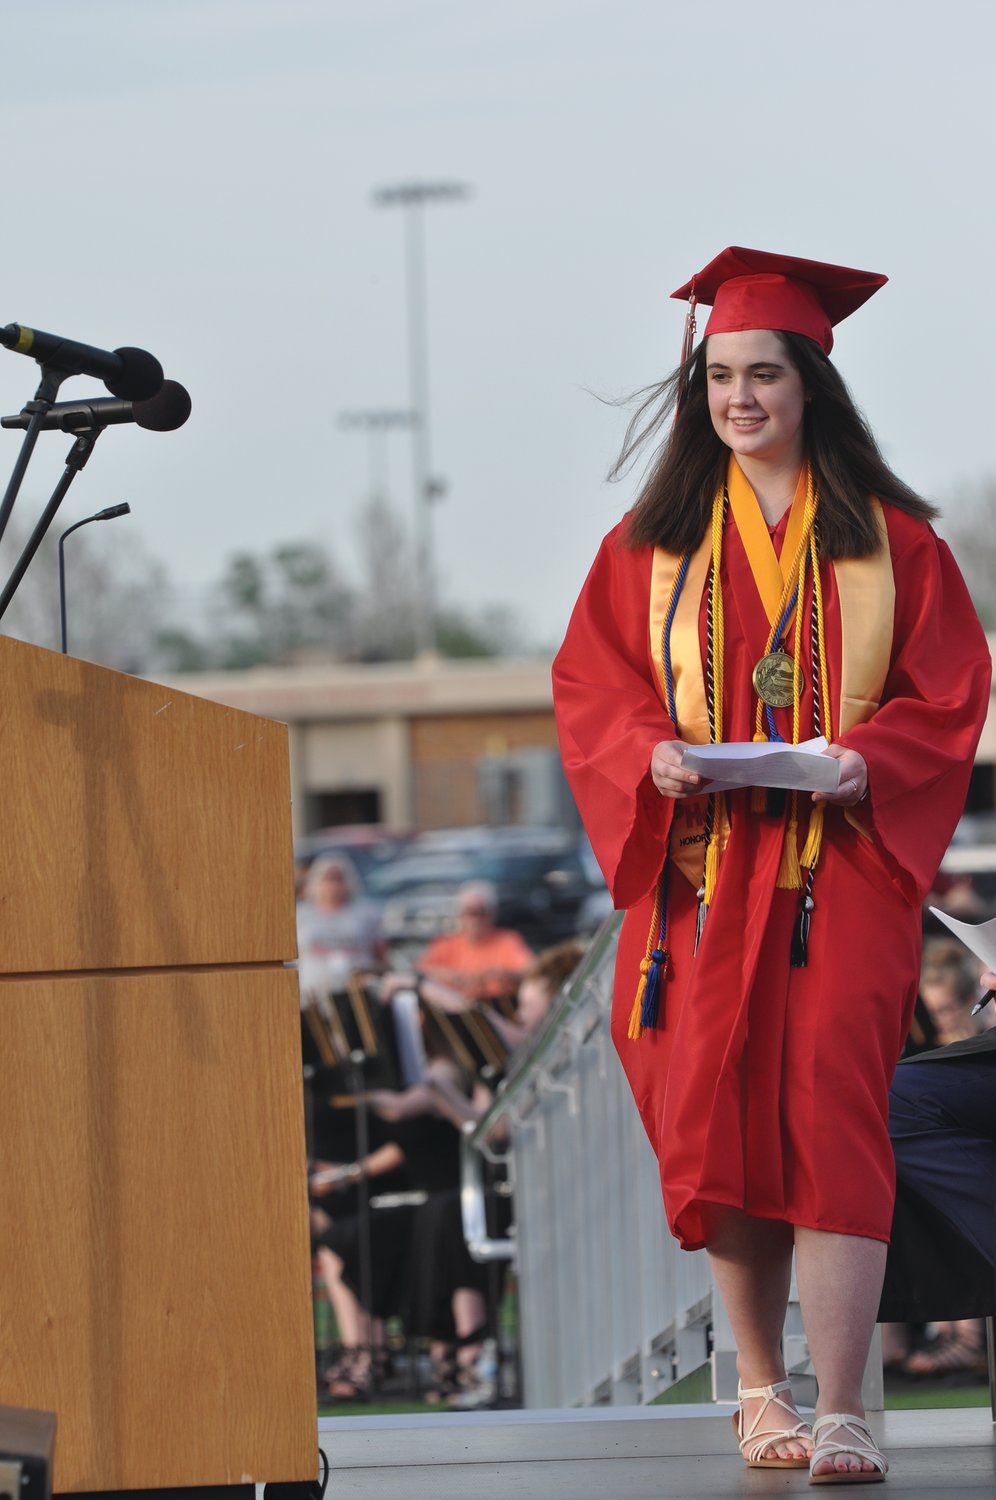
(753, 289)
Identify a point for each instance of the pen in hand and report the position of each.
(989, 995)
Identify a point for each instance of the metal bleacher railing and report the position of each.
(611, 1312)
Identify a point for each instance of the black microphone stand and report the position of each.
(78, 455)
(357, 1082)
(44, 397)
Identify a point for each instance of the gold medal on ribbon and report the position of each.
(772, 680)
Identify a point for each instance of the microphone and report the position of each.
(109, 513)
(168, 409)
(132, 374)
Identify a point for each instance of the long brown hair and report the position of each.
(674, 505)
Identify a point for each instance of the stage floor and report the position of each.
(616, 1453)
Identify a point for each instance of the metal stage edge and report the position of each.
(629, 1453)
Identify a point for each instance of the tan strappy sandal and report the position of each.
(753, 1443)
(860, 1443)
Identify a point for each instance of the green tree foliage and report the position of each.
(118, 598)
(277, 605)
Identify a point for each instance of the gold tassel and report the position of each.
(634, 1031)
(814, 837)
(711, 867)
(789, 873)
(712, 848)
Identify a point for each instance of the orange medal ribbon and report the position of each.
(770, 572)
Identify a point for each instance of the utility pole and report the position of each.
(413, 197)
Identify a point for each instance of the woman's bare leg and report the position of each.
(751, 1262)
(840, 1284)
(470, 1311)
(354, 1324)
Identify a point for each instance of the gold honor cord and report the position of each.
(794, 580)
(865, 591)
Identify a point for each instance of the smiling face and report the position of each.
(756, 396)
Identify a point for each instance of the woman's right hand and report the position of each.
(667, 774)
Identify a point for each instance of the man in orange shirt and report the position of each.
(479, 959)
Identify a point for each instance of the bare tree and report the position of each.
(384, 620)
(968, 524)
(117, 596)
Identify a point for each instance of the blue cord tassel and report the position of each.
(651, 994)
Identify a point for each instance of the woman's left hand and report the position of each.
(853, 782)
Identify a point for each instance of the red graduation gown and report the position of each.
(766, 1087)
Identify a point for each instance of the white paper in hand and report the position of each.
(979, 937)
(801, 768)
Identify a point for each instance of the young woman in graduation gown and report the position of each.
(774, 581)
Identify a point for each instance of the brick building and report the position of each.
(429, 744)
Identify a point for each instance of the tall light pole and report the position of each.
(377, 423)
(413, 197)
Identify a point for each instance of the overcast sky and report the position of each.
(195, 177)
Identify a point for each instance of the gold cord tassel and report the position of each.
(634, 1031)
(814, 837)
(719, 824)
(789, 873)
(711, 868)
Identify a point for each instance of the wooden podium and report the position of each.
(155, 1273)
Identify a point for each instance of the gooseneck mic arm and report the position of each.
(109, 514)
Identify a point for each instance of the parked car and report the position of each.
(367, 846)
(541, 877)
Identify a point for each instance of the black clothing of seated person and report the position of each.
(942, 1107)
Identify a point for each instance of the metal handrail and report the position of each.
(591, 980)
(534, 1068)
(473, 1209)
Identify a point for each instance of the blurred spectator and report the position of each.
(957, 895)
(446, 1301)
(338, 1248)
(419, 1265)
(942, 1121)
(419, 1161)
(538, 988)
(948, 988)
(444, 1267)
(338, 931)
(479, 959)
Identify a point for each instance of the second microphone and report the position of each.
(163, 412)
